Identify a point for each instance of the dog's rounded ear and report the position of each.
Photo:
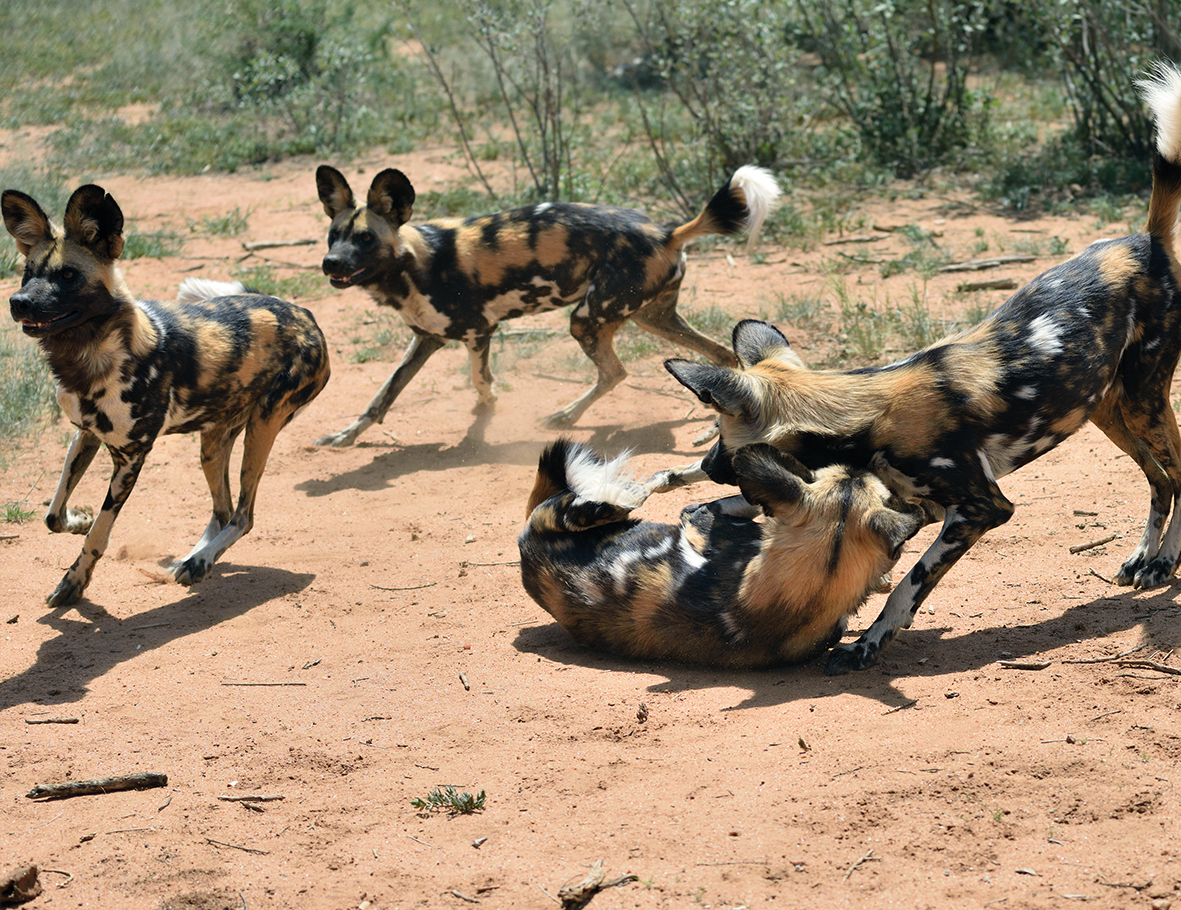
(755, 341)
(25, 220)
(94, 219)
(897, 525)
(770, 478)
(722, 388)
(392, 196)
(333, 189)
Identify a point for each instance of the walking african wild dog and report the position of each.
(219, 360)
(1095, 338)
(719, 588)
(456, 279)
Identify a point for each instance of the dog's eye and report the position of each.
(365, 237)
(68, 274)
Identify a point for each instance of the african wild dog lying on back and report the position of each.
(1095, 338)
(454, 279)
(719, 588)
(129, 371)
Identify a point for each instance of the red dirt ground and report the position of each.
(377, 609)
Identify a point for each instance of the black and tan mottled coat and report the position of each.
(218, 361)
(719, 588)
(457, 279)
(1096, 338)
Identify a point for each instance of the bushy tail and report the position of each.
(743, 203)
(569, 466)
(1162, 93)
(199, 290)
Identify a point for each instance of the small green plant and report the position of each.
(16, 513)
(153, 245)
(1058, 246)
(450, 800)
(231, 224)
(299, 286)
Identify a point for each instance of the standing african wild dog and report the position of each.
(454, 279)
(129, 371)
(719, 588)
(1095, 338)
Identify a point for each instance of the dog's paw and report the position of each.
(1156, 573)
(67, 593)
(339, 440)
(855, 656)
(190, 571)
(559, 421)
(75, 521)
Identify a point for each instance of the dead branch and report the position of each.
(429, 584)
(1094, 543)
(869, 857)
(1149, 665)
(51, 720)
(264, 684)
(576, 895)
(978, 265)
(274, 244)
(1025, 664)
(838, 241)
(903, 706)
(144, 780)
(464, 897)
(994, 284)
(259, 798)
(1103, 660)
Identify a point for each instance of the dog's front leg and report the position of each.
(127, 466)
(60, 517)
(963, 525)
(673, 478)
(416, 355)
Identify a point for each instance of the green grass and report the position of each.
(27, 390)
(231, 224)
(451, 801)
(300, 285)
(152, 245)
(14, 512)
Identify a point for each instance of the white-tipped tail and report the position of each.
(603, 481)
(198, 290)
(761, 191)
(1161, 91)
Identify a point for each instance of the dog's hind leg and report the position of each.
(595, 338)
(660, 317)
(260, 437)
(60, 517)
(420, 350)
(963, 525)
(1155, 446)
(216, 445)
(126, 471)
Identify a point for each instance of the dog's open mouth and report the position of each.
(36, 327)
(344, 281)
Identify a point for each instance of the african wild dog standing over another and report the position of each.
(130, 370)
(455, 280)
(720, 588)
(1095, 338)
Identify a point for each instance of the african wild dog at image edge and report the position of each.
(218, 361)
(456, 279)
(719, 588)
(1095, 338)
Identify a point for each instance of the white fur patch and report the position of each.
(198, 290)
(692, 558)
(1026, 393)
(611, 482)
(1046, 335)
(1161, 91)
(760, 190)
(941, 462)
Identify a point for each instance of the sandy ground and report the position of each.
(377, 616)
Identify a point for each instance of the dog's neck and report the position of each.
(81, 364)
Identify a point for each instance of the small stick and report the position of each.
(1094, 543)
(222, 843)
(977, 265)
(1105, 714)
(1149, 665)
(51, 720)
(9, 536)
(903, 706)
(1100, 577)
(264, 684)
(869, 857)
(429, 584)
(424, 843)
(994, 284)
(464, 897)
(274, 244)
(128, 830)
(463, 679)
(507, 562)
(1025, 664)
(842, 240)
(151, 625)
(261, 798)
(1103, 660)
(69, 876)
(142, 781)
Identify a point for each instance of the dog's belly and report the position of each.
(461, 319)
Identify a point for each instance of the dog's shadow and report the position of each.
(395, 461)
(92, 642)
(946, 653)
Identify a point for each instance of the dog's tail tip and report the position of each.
(593, 478)
(199, 290)
(1161, 90)
(760, 191)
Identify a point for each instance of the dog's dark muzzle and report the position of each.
(342, 273)
(718, 466)
(34, 309)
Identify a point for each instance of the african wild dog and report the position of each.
(1096, 338)
(719, 588)
(454, 279)
(129, 371)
